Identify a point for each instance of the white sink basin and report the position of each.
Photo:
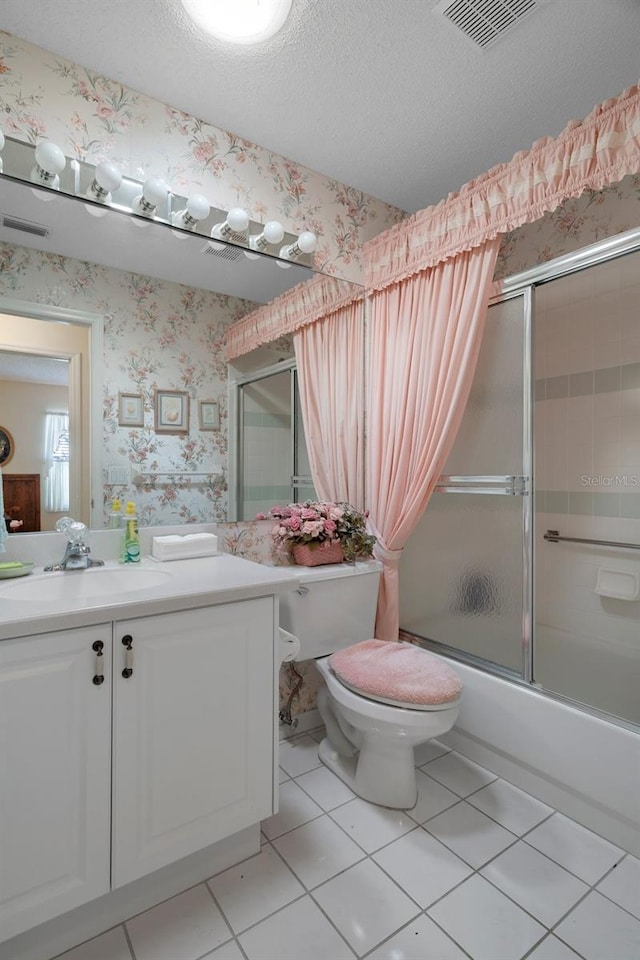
(99, 583)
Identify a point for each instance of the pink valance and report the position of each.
(588, 155)
(305, 303)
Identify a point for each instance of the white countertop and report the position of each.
(185, 584)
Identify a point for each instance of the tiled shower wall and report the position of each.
(587, 432)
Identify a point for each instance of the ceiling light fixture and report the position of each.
(239, 21)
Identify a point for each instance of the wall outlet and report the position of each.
(118, 476)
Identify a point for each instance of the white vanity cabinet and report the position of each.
(55, 772)
(102, 783)
(193, 731)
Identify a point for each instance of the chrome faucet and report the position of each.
(76, 554)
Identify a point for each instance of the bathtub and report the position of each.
(586, 767)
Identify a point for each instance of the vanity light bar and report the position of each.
(78, 178)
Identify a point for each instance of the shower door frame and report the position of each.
(524, 284)
(236, 417)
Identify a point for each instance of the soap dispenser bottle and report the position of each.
(115, 515)
(131, 543)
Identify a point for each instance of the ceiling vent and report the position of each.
(224, 252)
(26, 226)
(486, 21)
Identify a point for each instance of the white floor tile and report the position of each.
(111, 945)
(296, 808)
(228, 951)
(299, 755)
(552, 949)
(325, 788)
(535, 882)
(371, 826)
(470, 834)
(252, 890)
(622, 885)
(317, 734)
(574, 847)
(421, 940)
(433, 798)
(599, 930)
(511, 807)
(318, 851)
(459, 774)
(423, 867)
(300, 930)
(283, 776)
(365, 905)
(183, 928)
(429, 751)
(485, 923)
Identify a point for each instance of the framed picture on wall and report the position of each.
(208, 415)
(130, 410)
(171, 411)
(7, 448)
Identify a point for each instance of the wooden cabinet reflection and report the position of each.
(22, 499)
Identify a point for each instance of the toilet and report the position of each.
(379, 699)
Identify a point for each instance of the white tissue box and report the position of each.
(192, 545)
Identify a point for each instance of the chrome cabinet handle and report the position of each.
(127, 643)
(98, 676)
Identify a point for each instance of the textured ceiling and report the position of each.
(378, 94)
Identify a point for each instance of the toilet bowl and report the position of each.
(370, 734)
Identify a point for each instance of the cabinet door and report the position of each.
(194, 732)
(55, 734)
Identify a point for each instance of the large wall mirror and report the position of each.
(146, 394)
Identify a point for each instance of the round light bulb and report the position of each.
(108, 176)
(239, 21)
(198, 207)
(238, 219)
(50, 157)
(273, 231)
(155, 190)
(307, 241)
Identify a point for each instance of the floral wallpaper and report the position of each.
(157, 334)
(94, 119)
(580, 221)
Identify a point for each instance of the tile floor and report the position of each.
(477, 869)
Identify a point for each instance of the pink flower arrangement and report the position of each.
(314, 522)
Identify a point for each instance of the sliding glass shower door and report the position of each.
(273, 464)
(465, 577)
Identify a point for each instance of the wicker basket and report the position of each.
(308, 555)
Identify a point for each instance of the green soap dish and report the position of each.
(14, 568)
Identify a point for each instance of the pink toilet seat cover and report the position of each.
(396, 671)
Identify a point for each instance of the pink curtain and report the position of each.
(425, 335)
(305, 303)
(330, 362)
(589, 154)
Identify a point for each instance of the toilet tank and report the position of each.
(334, 606)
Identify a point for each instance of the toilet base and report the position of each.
(397, 788)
